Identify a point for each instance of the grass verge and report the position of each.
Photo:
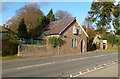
(114, 48)
(9, 57)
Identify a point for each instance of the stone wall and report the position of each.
(36, 50)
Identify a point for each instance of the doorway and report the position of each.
(81, 46)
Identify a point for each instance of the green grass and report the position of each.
(114, 48)
(9, 57)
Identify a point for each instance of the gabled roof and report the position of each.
(57, 27)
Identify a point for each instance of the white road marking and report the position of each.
(105, 55)
(77, 59)
(96, 56)
(62, 61)
(99, 56)
(68, 60)
(113, 53)
(84, 58)
(35, 65)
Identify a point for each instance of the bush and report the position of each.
(118, 39)
(9, 48)
(111, 38)
(55, 41)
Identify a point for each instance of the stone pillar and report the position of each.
(18, 54)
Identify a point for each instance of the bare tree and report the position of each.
(62, 14)
(87, 23)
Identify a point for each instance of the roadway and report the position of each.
(54, 66)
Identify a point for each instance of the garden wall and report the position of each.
(36, 50)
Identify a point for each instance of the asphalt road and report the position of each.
(54, 66)
(109, 71)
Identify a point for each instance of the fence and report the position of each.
(32, 41)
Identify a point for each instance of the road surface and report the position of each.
(109, 71)
(54, 66)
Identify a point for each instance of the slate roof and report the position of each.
(57, 27)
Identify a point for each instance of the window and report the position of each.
(74, 43)
(79, 31)
(74, 30)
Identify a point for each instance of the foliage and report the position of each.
(29, 12)
(116, 21)
(50, 16)
(38, 30)
(55, 41)
(41, 21)
(35, 32)
(10, 35)
(100, 12)
(9, 44)
(87, 23)
(103, 13)
(111, 38)
(100, 31)
(118, 38)
(116, 24)
(22, 30)
(91, 33)
(9, 48)
(62, 14)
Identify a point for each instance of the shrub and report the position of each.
(111, 38)
(9, 48)
(118, 39)
(55, 41)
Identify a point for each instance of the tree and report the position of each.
(9, 44)
(30, 13)
(91, 33)
(89, 29)
(118, 39)
(116, 21)
(50, 16)
(62, 14)
(41, 21)
(101, 14)
(87, 23)
(111, 38)
(22, 30)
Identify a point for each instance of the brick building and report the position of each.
(71, 31)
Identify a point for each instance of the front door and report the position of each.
(81, 46)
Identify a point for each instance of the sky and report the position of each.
(77, 9)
